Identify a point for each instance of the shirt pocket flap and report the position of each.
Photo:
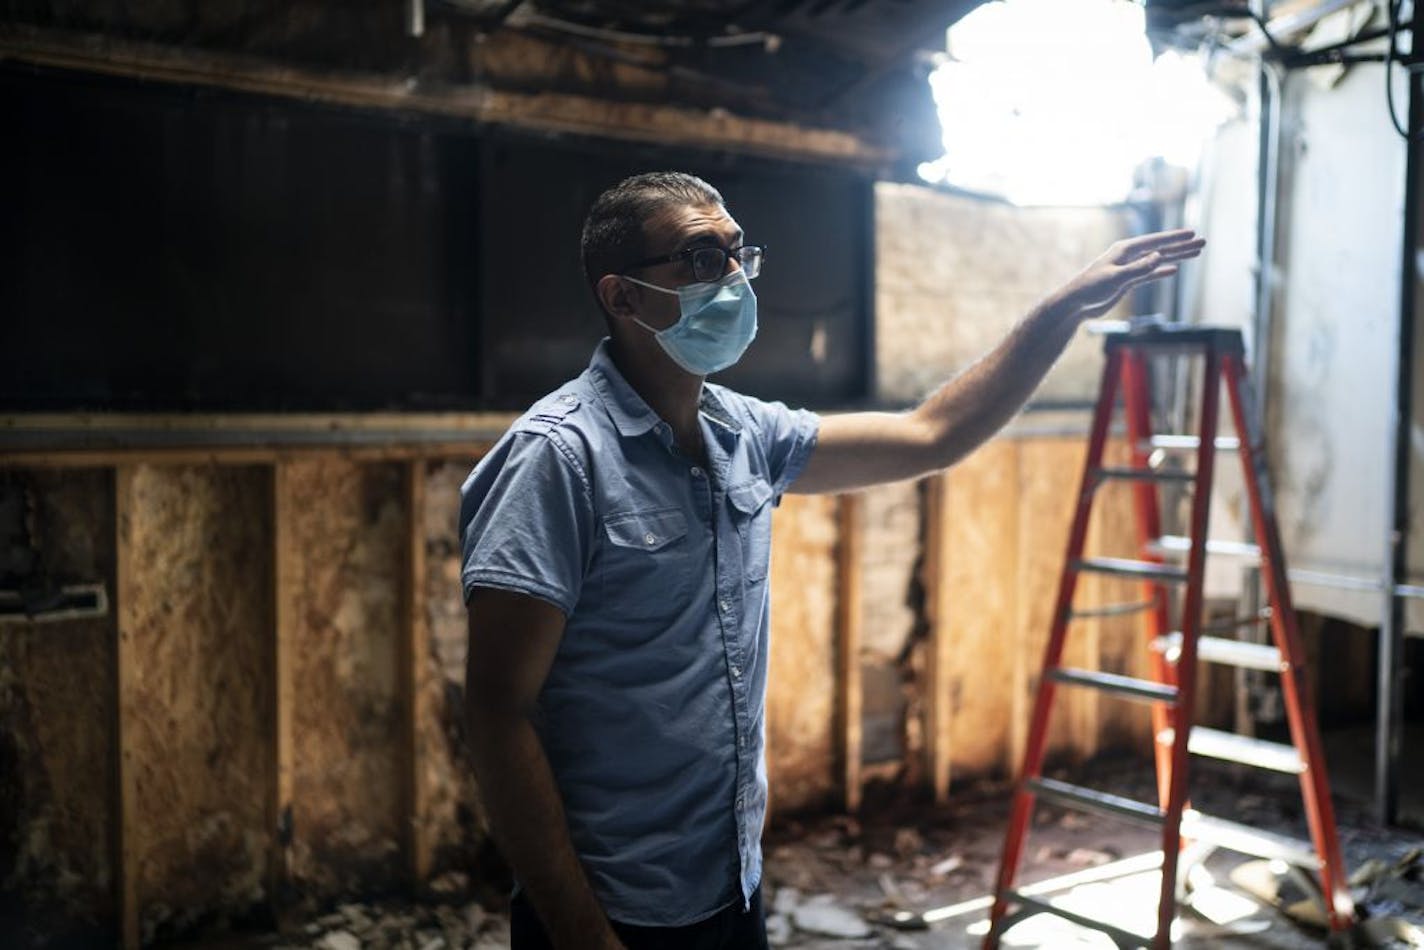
(749, 496)
(646, 530)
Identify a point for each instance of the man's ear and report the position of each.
(616, 296)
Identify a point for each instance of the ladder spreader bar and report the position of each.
(1090, 799)
(1126, 686)
(1247, 656)
(1247, 750)
(1122, 567)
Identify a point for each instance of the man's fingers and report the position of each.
(1181, 238)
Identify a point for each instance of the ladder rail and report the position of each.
(1186, 668)
(1148, 504)
(1300, 707)
(1053, 651)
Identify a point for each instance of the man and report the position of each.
(616, 543)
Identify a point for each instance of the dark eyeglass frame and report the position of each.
(749, 256)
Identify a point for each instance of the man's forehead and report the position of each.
(679, 224)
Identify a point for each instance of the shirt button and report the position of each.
(650, 538)
(736, 671)
(724, 606)
(696, 472)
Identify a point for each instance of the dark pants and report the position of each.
(729, 929)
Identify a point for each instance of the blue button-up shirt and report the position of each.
(652, 715)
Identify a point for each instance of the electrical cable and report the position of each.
(1276, 48)
(1393, 7)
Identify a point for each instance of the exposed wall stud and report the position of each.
(125, 657)
(414, 649)
(848, 627)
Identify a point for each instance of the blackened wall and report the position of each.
(166, 248)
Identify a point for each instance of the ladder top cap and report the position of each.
(1223, 339)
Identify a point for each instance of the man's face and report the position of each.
(671, 231)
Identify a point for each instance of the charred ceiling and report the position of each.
(852, 65)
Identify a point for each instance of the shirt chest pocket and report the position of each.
(645, 566)
(752, 515)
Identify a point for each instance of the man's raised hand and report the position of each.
(1125, 265)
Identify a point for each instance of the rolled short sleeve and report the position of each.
(788, 437)
(526, 521)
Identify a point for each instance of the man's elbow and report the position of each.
(492, 714)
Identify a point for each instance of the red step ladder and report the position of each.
(1174, 652)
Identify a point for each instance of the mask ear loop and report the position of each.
(653, 330)
(644, 283)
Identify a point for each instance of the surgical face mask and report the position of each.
(718, 323)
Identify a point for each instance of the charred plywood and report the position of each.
(801, 690)
(347, 525)
(453, 815)
(57, 708)
(194, 602)
(981, 573)
(890, 557)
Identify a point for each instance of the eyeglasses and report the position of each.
(709, 262)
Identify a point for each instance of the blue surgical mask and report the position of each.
(718, 323)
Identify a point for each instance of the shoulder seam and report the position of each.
(567, 454)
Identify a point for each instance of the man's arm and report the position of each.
(859, 449)
(513, 639)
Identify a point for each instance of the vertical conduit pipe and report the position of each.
(1268, 169)
(1389, 708)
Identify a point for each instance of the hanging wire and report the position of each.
(1393, 7)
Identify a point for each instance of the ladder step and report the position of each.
(1121, 567)
(1112, 610)
(1112, 683)
(1247, 840)
(1248, 656)
(1224, 443)
(1123, 938)
(1230, 747)
(1176, 544)
(1144, 475)
(1089, 799)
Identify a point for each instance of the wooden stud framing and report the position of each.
(848, 626)
(937, 603)
(236, 454)
(286, 569)
(126, 657)
(413, 651)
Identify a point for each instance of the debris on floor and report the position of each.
(906, 876)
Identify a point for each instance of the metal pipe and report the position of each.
(1256, 41)
(415, 18)
(1389, 711)
(1269, 187)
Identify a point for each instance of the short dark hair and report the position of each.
(613, 231)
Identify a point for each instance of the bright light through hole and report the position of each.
(1060, 101)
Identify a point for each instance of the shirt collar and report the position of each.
(630, 413)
